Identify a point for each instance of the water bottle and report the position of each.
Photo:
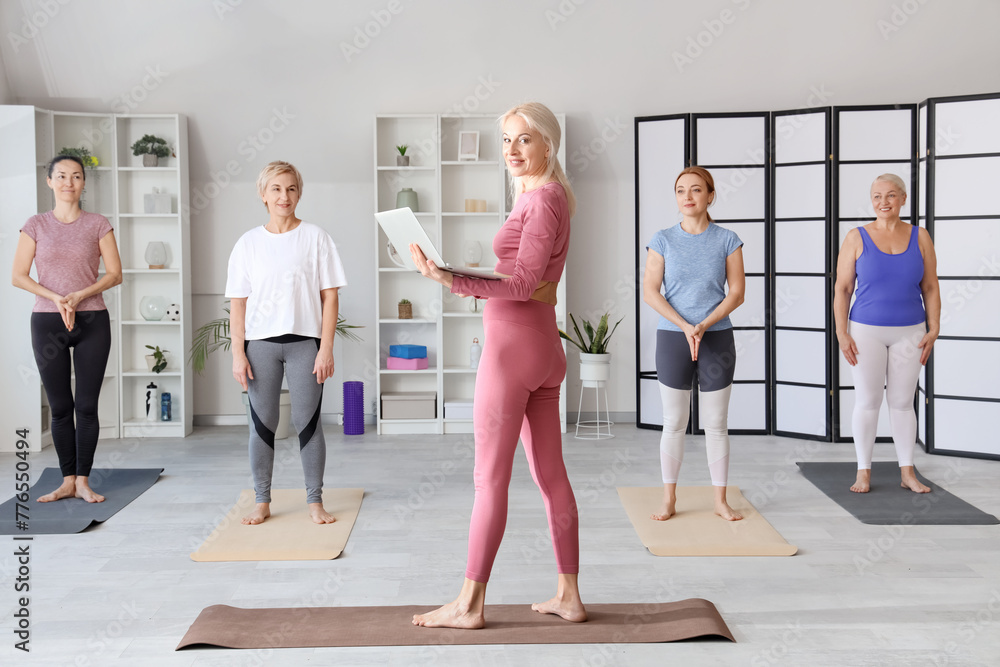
(165, 406)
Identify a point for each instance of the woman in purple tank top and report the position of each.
(891, 327)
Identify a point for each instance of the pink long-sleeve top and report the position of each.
(531, 246)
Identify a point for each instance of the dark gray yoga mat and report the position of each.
(888, 503)
(119, 486)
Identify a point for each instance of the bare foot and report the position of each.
(723, 509)
(260, 512)
(66, 490)
(84, 491)
(909, 481)
(320, 515)
(667, 507)
(569, 609)
(452, 615)
(864, 481)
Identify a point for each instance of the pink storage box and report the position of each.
(400, 364)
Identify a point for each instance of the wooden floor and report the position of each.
(125, 592)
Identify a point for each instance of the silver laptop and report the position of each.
(402, 228)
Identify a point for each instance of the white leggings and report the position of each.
(714, 415)
(887, 357)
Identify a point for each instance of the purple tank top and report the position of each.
(888, 293)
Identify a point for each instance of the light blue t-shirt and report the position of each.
(694, 272)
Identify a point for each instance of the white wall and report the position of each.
(6, 97)
(229, 65)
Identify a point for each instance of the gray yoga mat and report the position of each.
(119, 486)
(888, 503)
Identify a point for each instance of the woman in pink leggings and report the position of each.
(523, 364)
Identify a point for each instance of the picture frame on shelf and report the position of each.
(468, 145)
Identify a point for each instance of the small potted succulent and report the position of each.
(156, 360)
(405, 309)
(151, 148)
(402, 160)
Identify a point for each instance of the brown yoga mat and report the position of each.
(231, 627)
(289, 533)
(696, 530)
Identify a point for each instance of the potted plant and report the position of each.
(402, 160)
(156, 360)
(595, 360)
(84, 154)
(405, 309)
(151, 148)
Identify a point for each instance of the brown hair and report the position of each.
(704, 175)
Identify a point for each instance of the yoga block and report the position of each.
(401, 364)
(408, 351)
(458, 409)
(409, 405)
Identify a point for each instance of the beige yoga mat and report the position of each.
(232, 627)
(289, 533)
(696, 530)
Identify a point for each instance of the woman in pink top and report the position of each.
(66, 245)
(523, 364)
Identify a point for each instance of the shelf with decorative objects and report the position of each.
(456, 186)
(146, 207)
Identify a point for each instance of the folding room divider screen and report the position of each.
(792, 184)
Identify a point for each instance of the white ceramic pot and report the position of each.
(594, 368)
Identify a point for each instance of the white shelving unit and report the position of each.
(30, 137)
(441, 321)
(136, 229)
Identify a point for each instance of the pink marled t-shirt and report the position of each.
(67, 256)
(530, 247)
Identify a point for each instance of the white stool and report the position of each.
(594, 429)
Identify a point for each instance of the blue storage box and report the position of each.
(408, 351)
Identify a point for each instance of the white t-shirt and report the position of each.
(281, 276)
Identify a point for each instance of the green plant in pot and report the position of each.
(405, 309)
(151, 148)
(595, 360)
(214, 335)
(402, 160)
(156, 359)
(597, 337)
(85, 156)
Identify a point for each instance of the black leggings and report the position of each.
(91, 336)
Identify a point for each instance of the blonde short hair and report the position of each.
(272, 171)
(891, 178)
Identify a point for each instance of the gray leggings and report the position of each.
(268, 362)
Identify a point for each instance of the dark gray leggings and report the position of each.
(75, 442)
(716, 363)
(269, 361)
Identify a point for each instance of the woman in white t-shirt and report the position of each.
(282, 285)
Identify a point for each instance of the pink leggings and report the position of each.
(517, 393)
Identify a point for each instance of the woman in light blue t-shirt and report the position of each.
(693, 262)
